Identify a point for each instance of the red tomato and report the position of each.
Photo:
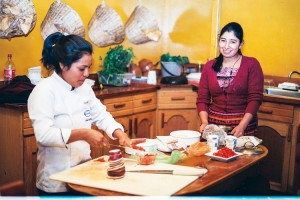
(225, 153)
(101, 159)
(138, 148)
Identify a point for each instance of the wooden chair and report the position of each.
(15, 188)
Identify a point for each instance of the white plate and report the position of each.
(165, 146)
(218, 158)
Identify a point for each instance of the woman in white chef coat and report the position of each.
(62, 109)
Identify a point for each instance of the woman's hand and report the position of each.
(238, 131)
(204, 122)
(202, 127)
(91, 136)
(123, 138)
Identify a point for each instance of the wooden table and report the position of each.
(221, 176)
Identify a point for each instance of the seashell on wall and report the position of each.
(17, 18)
(106, 27)
(62, 18)
(142, 26)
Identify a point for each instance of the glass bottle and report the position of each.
(9, 70)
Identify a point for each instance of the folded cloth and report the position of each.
(17, 91)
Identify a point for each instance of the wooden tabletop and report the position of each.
(220, 175)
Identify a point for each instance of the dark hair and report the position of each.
(238, 32)
(66, 50)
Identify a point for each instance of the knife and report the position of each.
(115, 145)
(189, 172)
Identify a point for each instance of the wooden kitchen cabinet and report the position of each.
(18, 149)
(137, 114)
(278, 128)
(176, 110)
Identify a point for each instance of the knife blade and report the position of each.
(189, 172)
(116, 145)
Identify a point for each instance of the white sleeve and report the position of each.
(41, 112)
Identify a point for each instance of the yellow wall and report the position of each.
(188, 27)
(271, 29)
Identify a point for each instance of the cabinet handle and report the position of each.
(130, 128)
(135, 127)
(298, 135)
(177, 98)
(120, 105)
(162, 120)
(265, 111)
(146, 101)
(289, 133)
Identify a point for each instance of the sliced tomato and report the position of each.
(101, 159)
(138, 148)
(138, 141)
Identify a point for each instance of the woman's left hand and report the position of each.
(238, 131)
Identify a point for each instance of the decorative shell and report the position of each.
(106, 27)
(142, 27)
(17, 18)
(62, 18)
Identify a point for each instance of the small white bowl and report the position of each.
(187, 137)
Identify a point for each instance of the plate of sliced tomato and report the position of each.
(145, 145)
(224, 154)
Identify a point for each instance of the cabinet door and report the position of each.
(276, 137)
(144, 125)
(181, 119)
(30, 165)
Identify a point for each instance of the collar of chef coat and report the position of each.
(62, 81)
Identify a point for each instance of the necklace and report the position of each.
(231, 69)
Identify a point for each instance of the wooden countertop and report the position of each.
(136, 88)
(220, 176)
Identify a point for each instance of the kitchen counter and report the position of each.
(221, 176)
(137, 88)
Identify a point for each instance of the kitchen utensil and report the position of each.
(116, 145)
(190, 172)
(212, 141)
(230, 141)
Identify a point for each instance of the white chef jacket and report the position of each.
(55, 109)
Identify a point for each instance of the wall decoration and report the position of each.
(17, 18)
(62, 18)
(106, 27)
(142, 26)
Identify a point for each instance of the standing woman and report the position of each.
(231, 86)
(62, 109)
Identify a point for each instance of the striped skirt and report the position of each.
(232, 119)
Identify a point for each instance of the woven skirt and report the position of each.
(232, 119)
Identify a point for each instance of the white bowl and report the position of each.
(149, 146)
(186, 136)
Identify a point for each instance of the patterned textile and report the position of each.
(226, 75)
(232, 119)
